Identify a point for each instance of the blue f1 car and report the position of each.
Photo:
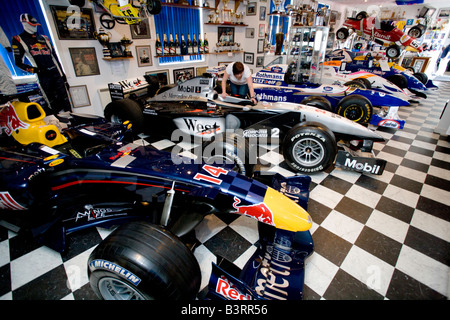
(275, 84)
(59, 177)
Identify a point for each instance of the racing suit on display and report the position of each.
(38, 50)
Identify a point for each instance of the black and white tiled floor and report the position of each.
(376, 237)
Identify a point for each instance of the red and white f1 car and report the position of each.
(382, 33)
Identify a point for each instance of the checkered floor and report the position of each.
(376, 237)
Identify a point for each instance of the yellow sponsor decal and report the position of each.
(56, 162)
(51, 157)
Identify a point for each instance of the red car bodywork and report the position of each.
(387, 33)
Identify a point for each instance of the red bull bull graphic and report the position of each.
(9, 121)
(258, 211)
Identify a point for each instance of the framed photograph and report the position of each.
(73, 24)
(162, 76)
(181, 75)
(260, 62)
(116, 49)
(140, 30)
(251, 9)
(444, 13)
(249, 57)
(79, 96)
(262, 29)
(249, 32)
(260, 48)
(200, 71)
(225, 34)
(419, 64)
(262, 13)
(84, 61)
(144, 56)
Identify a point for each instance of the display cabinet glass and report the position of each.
(306, 54)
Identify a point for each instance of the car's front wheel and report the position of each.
(142, 261)
(309, 147)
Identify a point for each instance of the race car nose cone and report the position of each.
(287, 214)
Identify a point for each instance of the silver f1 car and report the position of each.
(311, 139)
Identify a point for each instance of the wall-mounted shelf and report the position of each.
(117, 58)
(227, 24)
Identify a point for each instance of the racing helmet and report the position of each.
(29, 125)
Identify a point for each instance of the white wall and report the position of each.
(114, 71)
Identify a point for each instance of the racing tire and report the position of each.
(154, 7)
(399, 80)
(415, 32)
(355, 84)
(356, 108)
(361, 15)
(421, 76)
(393, 51)
(233, 149)
(309, 147)
(141, 261)
(318, 102)
(342, 34)
(119, 111)
(364, 81)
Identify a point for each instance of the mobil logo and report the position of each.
(259, 211)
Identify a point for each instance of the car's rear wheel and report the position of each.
(141, 261)
(309, 147)
(356, 108)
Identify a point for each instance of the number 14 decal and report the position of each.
(214, 171)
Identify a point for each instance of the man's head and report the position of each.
(238, 69)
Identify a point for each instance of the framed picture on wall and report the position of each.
(161, 75)
(140, 30)
(262, 29)
(143, 56)
(200, 70)
(84, 61)
(225, 34)
(182, 75)
(260, 61)
(249, 32)
(262, 13)
(251, 9)
(249, 57)
(72, 25)
(260, 48)
(79, 96)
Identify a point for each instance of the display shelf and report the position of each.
(227, 24)
(117, 58)
(198, 54)
(165, 4)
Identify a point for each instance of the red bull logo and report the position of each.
(9, 121)
(258, 211)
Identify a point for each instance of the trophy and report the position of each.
(126, 43)
(104, 39)
(279, 6)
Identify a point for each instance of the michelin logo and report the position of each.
(106, 265)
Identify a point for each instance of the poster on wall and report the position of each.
(73, 24)
(84, 61)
